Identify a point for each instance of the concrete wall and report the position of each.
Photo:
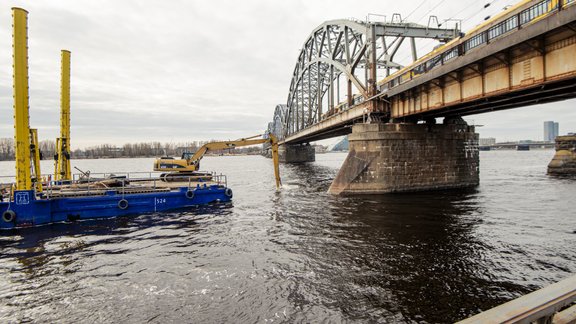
(408, 157)
(296, 153)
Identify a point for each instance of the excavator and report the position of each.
(189, 164)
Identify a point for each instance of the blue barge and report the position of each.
(62, 203)
(35, 200)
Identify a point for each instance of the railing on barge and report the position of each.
(143, 176)
(52, 189)
(547, 305)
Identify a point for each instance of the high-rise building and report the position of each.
(556, 130)
(550, 131)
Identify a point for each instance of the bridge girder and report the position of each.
(339, 48)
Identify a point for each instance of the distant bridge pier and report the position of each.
(300, 153)
(564, 161)
(403, 157)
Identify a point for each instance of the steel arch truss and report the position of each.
(346, 49)
(276, 126)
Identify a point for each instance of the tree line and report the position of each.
(129, 150)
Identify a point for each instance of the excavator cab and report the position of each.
(187, 155)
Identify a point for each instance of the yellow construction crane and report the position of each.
(28, 175)
(21, 117)
(62, 171)
(189, 164)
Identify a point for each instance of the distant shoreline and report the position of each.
(139, 157)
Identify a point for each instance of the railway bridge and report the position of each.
(346, 81)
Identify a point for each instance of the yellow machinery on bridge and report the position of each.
(189, 164)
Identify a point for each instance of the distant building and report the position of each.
(487, 141)
(550, 131)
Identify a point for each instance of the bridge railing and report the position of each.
(514, 22)
(546, 305)
(357, 99)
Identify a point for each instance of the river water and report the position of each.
(300, 255)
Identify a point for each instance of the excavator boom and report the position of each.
(192, 164)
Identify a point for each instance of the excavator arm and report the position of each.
(275, 160)
(191, 164)
(215, 146)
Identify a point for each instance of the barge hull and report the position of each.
(27, 210)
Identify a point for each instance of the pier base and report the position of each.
(564, 161)
(409, 157)
(296, 153)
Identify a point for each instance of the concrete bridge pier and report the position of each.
(296, 153)
(399, 157)
(564, 161)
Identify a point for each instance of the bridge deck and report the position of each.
(535, 64)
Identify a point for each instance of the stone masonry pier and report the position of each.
(564, 161)
(396, 157)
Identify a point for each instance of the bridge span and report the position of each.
(525, 55)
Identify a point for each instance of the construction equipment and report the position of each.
(21, 115)
(28, 203)
(62, 171)
(28, 175)
(189, 164)
(35, 156)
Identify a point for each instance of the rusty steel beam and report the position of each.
(539, 94)
(538, 28)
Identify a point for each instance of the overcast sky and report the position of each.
(176, 71)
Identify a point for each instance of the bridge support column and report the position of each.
(296, 153)
(564, 161)
(409, 157)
